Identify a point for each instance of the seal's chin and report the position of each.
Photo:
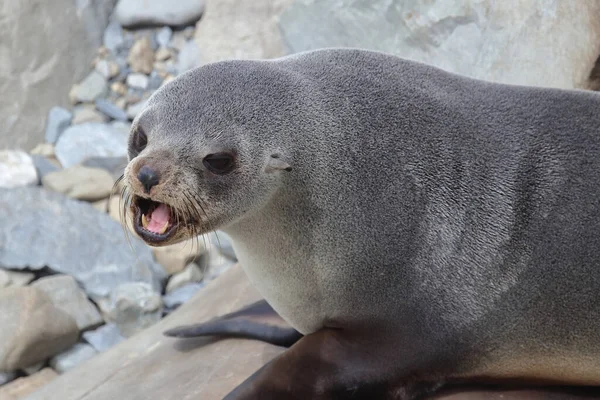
(154, 222)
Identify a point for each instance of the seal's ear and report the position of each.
(275, 163)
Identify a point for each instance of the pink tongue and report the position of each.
(159, 218)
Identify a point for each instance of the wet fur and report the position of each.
(449, 224)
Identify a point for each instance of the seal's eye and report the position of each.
(139, 140)
(219, 163)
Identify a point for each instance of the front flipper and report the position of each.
(257, 321)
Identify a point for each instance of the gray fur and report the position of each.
(456, 219)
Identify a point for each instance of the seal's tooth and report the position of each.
(144, 221)
(164, 228)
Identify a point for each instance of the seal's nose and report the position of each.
(148, 178)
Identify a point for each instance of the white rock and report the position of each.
(189, 57)
(107, 69)
(16, 169)
(5, 279)
(135, 306)
(18, 278)
(174, 258)
(163, 36)
(158, 12)
(104, 337)
(532, 42)
(191, 274)
(137, 81)
(71, 358)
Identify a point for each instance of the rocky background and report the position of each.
(74, 73)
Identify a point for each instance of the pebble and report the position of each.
(33, 329)
(118, 88)
(141, 56)
(43, 166)
(101, 205)
(85, 114)
(66, 295)
(162, 54)
(133, 13)
(189, 57)
(107, 69)
(81, 142)
(134, 109)
(155, 81)
(213, 263)
(71, 358)
(178, 41)
(135, 306)
(138, 81)
(163, 36)
(17, 169)
(92, 87)
(5, 279)
(190, 274)
(223, 243)
(115, 166)
(104, 337)
(113, 36)
(32, 369)
(43, 149)
(79, 182)
(57, 121)
(22, 387)
(174, 258)
(18, 278)
(180, 295)
(111, 110)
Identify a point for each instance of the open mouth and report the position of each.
(155, 222)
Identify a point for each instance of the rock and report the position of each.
(496, 41)
(163, 36)
(18, 278)
(174, 258)
(141, 56)
(43, 149)
(43, 228)
(190, 274)
(79, 182)
(104, 337)
(92, 87)
(132, 13)
(16, 169)
(71, 358)
(46, 47)
(189, 57)
(4, 279)
(84, 141)
(134, 109)
(113, 37)
(58, 120)
(113, 165)
(18, 389)
(6, 377)
(111, 110)
(101, 205)
(137, 81)
(43, 166)
(180, 295)
(178, 41)
(135, 306)
(32, 328)
(188, 32)
(162, 54)
(85, 114)
(118, 88)
(223, 243)
(241, 29)
(107, 69)
(32, 369)
(66, 295)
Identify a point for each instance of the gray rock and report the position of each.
(32, 328)
(123, 127)
(113, 36)
(155, 81)
(80, 142)
(32, 369)
(163, 36)
(5, 279)
(180, 295)
(58, 120)
(6, 377)
(111, 110)
(223, 243)
(135, 306)
(71, 358)
(190, 274)
(134, 109)
(66, 295)
(104, 337)
(79, 182)
(16, 169)
(213, 263)
(46, 47)
(18, 278)
(83, 114)
(107, 69)
(189, 57)
(42, 228)
(114, 165)
(138, 81)
(92, 87)
(43, 166)
(131, 13)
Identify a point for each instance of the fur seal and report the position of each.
(415, 228)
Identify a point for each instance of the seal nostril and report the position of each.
(148, 178)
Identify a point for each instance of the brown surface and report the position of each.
(150, 366)
(21, 387)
